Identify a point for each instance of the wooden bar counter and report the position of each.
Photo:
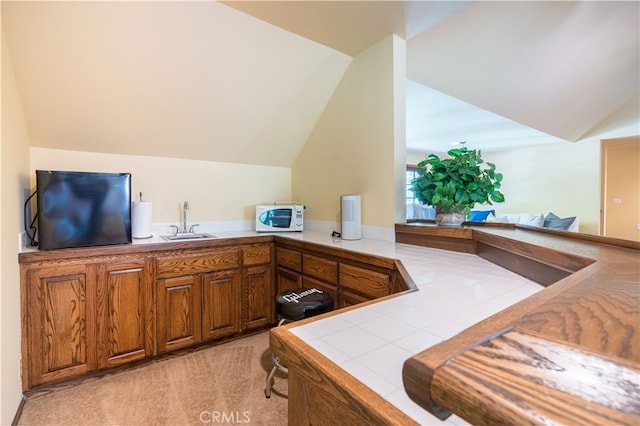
(569, 354)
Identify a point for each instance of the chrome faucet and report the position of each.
(185, 207)
(183, 229)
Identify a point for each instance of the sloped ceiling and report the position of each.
(246, 81)
(495, 74)
(559, 67)
(194, 80)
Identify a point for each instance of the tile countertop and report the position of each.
(456, 290)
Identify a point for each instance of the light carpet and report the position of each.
(219, 385)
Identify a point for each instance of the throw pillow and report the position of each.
(480, 215)
(510, 217)
(553, 221)
(531, 219)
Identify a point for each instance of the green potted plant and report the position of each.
(454, 184)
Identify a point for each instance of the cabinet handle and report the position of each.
(126, 271)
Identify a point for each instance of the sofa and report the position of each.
(550, 220)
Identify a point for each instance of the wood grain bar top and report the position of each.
(569, 354)
(535, 380)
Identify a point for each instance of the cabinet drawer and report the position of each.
(198, 262)
(256, 255)
(370, 283)
(317, 267)
(290, 259)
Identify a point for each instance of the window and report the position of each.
(412, 173)
(415, 210)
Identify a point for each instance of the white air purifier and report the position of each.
(350, 212)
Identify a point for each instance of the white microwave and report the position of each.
(279, 218)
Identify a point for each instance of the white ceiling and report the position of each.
(436, 121)
(555, 69)
(206, 81)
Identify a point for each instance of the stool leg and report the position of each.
(267, 392)
(276, 366)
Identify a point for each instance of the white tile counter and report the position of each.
(456, 290)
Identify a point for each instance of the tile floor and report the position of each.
(456, 291)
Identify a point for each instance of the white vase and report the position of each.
(450, 218)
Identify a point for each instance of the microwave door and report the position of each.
(277, 218)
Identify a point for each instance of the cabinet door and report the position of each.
(220, 304)
(286, 280)
(257, 297)
(61, 324)
(124, 306)
(178, 312)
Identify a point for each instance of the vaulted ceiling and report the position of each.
(246, 81)
(495, 74)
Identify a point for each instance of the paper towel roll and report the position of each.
(141, 219)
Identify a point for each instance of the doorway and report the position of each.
(620, 199)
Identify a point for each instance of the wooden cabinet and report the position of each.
(257, 254)
(257, 297)
(287, 279)
(321, 273)
(288, 269)
(94, 308)
(196, 308)
(288, 258)
(186, 262)
(124, 306)
(220, 304)
(258, 290)
(61, 324)
(198, 297)
(178, 312)
(349, 279)
(369, 284)
(84, 316)
(210, 294)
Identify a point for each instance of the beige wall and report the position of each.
(351, 150)
(561, 178)
(399, 127)
(215, 191)
(414, 157)
(14, 172)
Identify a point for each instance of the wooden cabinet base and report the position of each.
(91, 309)
(322, 393)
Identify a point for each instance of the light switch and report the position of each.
(617, 201)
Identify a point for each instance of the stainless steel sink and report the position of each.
(188, 236)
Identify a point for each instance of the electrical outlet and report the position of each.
(638, 227)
